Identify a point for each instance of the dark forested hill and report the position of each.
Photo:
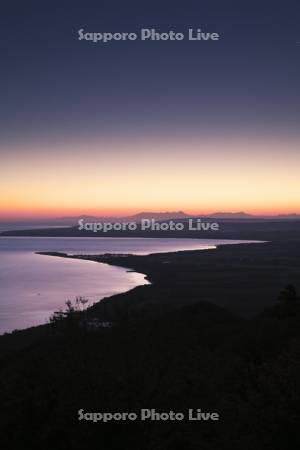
(176, 344)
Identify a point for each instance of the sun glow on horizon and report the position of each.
(198, 176)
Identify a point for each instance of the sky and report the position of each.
(126, 126)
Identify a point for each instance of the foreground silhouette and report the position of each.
(165, 348)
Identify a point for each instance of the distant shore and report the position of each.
(261, 230)
(244, 278)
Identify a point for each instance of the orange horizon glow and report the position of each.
(37, 215)
(118, 178)
(27, 214)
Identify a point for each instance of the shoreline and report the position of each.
(121, 259)
(118, 260)
(232, 229)
(239, 277)
(226, 277)
(106, 258)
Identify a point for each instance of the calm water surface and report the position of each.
(33, 286)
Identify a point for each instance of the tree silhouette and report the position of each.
(288, 295)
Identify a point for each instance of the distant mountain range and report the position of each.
(158, 215)
(243, 215)
(233, 215)
(167, 215)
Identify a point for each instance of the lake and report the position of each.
(33, 286)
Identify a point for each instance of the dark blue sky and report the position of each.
(122, 127)
(54, 87)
